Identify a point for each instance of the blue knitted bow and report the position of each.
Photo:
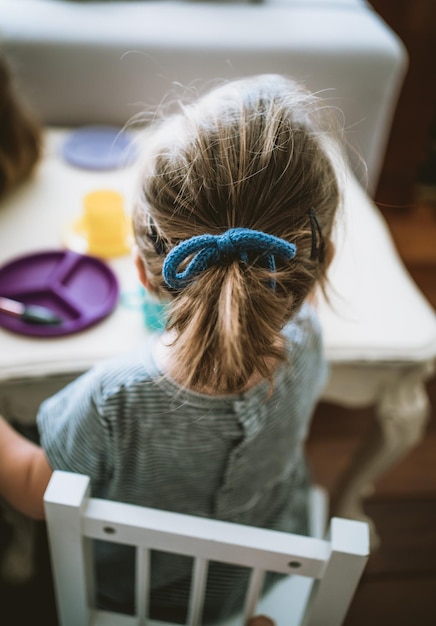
(209, 249)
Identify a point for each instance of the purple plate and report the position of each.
(98, 148)
(81, 289)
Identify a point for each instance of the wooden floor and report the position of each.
(399, 584)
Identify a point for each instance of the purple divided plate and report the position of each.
(81, 289)
(98, 148)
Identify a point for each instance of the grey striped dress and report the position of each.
(145, 440)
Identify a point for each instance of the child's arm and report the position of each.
(24, 472)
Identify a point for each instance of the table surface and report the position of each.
(376, 314)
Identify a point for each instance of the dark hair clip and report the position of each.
(155, 239)
(317, 252)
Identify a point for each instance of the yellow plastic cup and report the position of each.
(104, 229)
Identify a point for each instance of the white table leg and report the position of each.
(401, 415)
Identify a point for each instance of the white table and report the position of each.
(380, 333)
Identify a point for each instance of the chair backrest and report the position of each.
(326, 571)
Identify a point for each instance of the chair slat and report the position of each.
(198, 588)
(253, 592)
(142, 584)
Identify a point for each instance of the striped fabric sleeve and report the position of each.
(73, 432)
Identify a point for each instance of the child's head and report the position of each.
(20, 135)
(249, 154)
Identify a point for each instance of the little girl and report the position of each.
(233, 225)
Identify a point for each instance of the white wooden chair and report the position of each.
(325, 571)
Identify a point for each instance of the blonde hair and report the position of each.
(20, 135)
(251, 154)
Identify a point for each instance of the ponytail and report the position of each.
(227, 329)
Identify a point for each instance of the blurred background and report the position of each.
(406, 192)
